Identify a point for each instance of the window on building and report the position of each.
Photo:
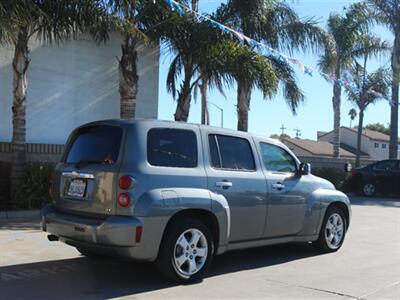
(231, 153)
(383, 146)
(376, 145)
(172, 148)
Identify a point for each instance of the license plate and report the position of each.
(77, 188)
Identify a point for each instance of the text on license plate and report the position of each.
(77, 188)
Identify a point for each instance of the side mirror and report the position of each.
(305, 169)
(348, 167)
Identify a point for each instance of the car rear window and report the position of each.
(172, 148)
(99, 144)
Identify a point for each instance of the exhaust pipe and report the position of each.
(53, 238)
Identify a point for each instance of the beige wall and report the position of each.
(73, 84)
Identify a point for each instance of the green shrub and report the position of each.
(34, 192)
(339, 178)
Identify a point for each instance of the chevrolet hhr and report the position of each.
(178, 194)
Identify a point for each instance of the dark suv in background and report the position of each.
(382, 177)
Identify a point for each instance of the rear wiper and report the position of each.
(83, 162)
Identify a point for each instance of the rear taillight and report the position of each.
(124, 199)
(354, 172)
(125, 182)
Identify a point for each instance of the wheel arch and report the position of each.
(203, 215)
(343, 207)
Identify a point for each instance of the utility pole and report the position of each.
(283, 128)
(298, 133)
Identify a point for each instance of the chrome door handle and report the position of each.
(278, 186)
(223, 184)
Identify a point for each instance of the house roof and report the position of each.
(315, 148)
(371, 134)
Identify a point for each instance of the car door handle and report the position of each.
(278, 186)
(223, 184)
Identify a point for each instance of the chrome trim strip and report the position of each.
(76, 174)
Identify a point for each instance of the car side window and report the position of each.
(231, 153)
(385, 166)
(172, 148)
(277, 159)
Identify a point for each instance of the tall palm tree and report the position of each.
(277, 25)
(137, 22)
(365, 89)
(343, 43)
(387, 13)
(51, 21)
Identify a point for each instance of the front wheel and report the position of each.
(186, 251)
(333, 231)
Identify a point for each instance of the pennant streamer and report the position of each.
(345, 82)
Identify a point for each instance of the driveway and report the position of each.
(367, 267)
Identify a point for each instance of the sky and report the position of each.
(266, 117)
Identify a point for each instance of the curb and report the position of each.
(19, 214)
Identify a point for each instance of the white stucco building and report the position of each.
(373, 143)
(74, 83)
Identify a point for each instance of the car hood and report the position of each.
(321, 183)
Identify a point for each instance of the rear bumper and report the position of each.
(113, 235)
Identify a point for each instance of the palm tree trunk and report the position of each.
(20, 83)
(184, 96)
(128, 79)
(359, 134)
(205, 119)
(336, 101)
(394, 112)
(243, 96)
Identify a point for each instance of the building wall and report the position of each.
(72, 84)
(349, 137)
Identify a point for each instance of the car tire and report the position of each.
(181, 259)
(333, 231)
(369, 189)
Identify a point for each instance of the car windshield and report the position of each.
(95, 145)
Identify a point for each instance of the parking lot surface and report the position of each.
(367, 267)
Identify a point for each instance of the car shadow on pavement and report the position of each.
(104, 278)
(20, 225)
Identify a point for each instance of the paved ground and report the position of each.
(367, 267)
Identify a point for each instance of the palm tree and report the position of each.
(138, 23)
(277, 25)
(353, 115)
(365, 89)
(387, 13)
(343, 43)
(51, 21)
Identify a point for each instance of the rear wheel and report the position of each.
(333, 231)
(186, 251)
(369, 189)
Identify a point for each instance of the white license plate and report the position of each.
(77, 188)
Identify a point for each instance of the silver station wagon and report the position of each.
(179, 194)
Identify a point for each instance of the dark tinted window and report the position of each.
(385, 166)
(231, 153)
(172, 148)
(95, 144)
(277, 159)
